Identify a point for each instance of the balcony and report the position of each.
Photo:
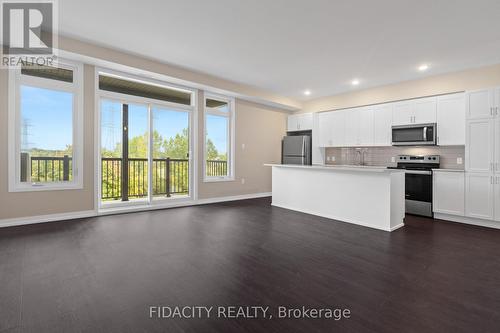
(170, 177)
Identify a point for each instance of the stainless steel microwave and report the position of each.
(414, 135)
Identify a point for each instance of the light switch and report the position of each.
(393, 159)
(243, 180)
(459, 160)
(243, 146)
(333, 158)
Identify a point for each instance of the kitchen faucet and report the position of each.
(361, 156)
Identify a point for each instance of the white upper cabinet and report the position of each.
(300, 122)
(359, 127)
(425, 110)
(403, 113)
(416, 111)
(365, 127)
(479, 149)
(352, 127)
(292, 123)
(325, 127)
(332, 129)
(339, 128)
(382, 123)
(448, 192)
(306, 121)
(480, 104)
(451, 120)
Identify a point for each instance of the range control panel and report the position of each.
(418, 158)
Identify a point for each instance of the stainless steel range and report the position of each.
(418, 181)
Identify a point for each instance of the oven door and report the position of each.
(408, 135)
(418, 185)
(418, 192)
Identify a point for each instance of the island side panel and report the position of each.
(362, 198)
(397, 200)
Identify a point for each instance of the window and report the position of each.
(219, 138)
(45, 127)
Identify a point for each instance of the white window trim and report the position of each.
(14, 142)
(231, 114)
(149, 201)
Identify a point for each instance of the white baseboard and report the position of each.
(397, 226)
(467, 220)
(46, 218)
(233, 198)
(338, 219)
(125, 209)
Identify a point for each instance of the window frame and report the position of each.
(230, 114)
(16, 80)
(150, 200)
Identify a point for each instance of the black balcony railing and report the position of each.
(216, 168)
(169, 176)
(47, 169)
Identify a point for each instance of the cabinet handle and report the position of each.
(496, 111)
(491, 110)
(497, 179)
(491, 180)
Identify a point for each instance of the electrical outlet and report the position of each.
(333, 158)
(328, 158)
(243, 146)
(393, 159)
(243, 180)
(459, 160)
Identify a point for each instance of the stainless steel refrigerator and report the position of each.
(296, 150)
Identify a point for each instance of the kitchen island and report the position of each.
(369, 196)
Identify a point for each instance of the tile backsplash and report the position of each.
(382, 156)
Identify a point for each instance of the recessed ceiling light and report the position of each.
(355, 82)
(307, 92)
(423, 67)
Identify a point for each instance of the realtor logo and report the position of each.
(28, 31)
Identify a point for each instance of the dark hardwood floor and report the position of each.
(102, 274)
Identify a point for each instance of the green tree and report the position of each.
(178, 146)
(212, 152)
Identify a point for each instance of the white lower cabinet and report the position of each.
(480, 195)
(497, 198)
(448, 192)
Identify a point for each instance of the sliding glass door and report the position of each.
(170, 152)
(139, 164)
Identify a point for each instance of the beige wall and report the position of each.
(260, 129)
(435, 85)
(22, 204)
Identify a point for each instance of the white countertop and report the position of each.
(359, 168)
(449, 170)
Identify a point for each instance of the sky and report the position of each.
(47, 118)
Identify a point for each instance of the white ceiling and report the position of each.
(287, 46)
